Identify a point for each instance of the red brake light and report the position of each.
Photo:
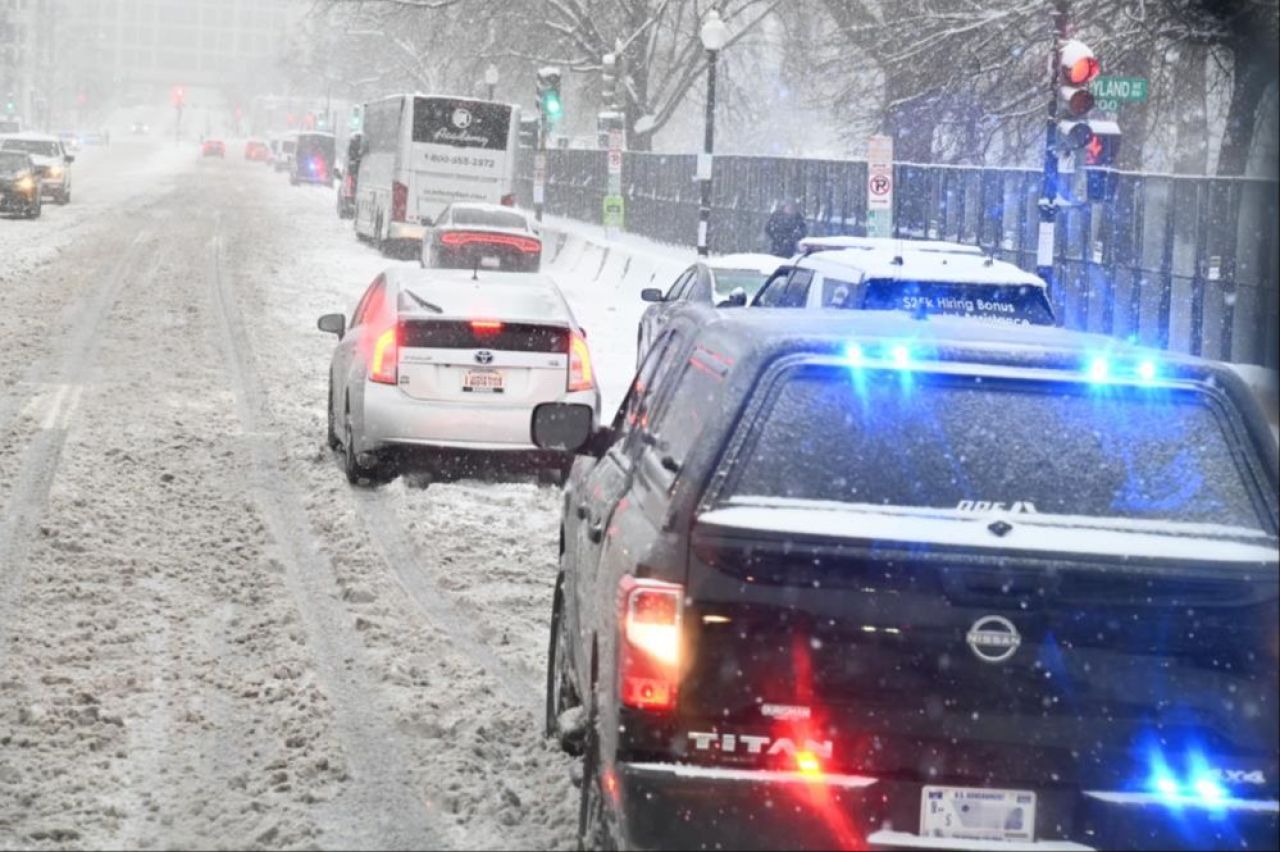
(649, 653)
(483, 327)
(462, 238)
(508, 200)
(399, 201)
(581, 375)
(386, 357)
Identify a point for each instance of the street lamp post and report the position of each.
(714, 34)
(491, 78)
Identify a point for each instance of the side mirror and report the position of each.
(427, 222)
(337, 172)
(69, 159)
(564, 427)
(651, 294)
(333, 324)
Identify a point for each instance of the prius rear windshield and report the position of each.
(919, 440)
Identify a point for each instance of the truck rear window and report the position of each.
(1022, 305)
(921, 440)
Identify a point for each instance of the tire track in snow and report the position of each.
(29, 495)
(435, 604)
(381, 798)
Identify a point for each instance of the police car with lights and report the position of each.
(850, 580)
(925, 278)
(438, 371)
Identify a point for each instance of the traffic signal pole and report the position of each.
(1049, 187)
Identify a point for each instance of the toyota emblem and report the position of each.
(484, 356)
(993, 639)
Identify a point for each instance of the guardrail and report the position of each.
(1176, 262)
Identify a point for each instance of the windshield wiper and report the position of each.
(423, 303)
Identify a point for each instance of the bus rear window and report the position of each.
(461, 123)
(940, 442)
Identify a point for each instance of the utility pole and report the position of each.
(1049, 187)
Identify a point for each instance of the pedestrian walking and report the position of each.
(785, 229)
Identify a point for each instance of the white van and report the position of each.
(423, 152)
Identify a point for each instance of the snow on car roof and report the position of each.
(765, 264)
(887, 244)
(489, 295)
(32, 137)
(927, 266)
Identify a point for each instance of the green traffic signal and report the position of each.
(551, 107)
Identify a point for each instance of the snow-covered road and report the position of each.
(207, 638)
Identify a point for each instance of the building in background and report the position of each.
(72, 60)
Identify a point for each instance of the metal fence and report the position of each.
(1182, 263)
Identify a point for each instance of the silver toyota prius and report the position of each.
(439, 371)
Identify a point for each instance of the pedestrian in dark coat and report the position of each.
(785, 229)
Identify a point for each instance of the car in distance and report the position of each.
(313, 159)
(727, 281)
(19, 185)
(213, 148)
(469, 235)
(920, 278)
(53, 163)
(439, 371)
(853, 580)
(256, 150)
(283, 147)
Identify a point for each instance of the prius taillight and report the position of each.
(581, 375)
(649, 654)
(384, 365)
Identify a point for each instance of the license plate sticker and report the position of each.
(972, 813)
(482, 381)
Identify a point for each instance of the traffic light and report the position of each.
(609, 90)
(356, 119)
(529, 132)
(11, 104)
(179, 96)
(1103, 149)
(549, 94)
(1076, 69)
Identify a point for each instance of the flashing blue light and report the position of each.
(853, 354)
(1147, 370)
(901, 356)
(1167, 787)
(1099, 369)
(1210, 790)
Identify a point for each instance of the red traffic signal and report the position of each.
(1077, 66)
(1104, 148)
(179, 95)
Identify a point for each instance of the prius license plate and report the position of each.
(972, 813)
(482, 381)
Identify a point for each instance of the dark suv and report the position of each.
(862, 580)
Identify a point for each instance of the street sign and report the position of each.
(880, 186)
(614, 212)
(539, 176)
(1110, 92)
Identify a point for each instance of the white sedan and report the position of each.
(439, 372)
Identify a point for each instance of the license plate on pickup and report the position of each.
(482, 381)
(972, 813)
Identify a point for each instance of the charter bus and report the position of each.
(422, 152)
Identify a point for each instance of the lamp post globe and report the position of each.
(714, 32)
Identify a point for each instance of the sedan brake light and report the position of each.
(581, 375)
(462, 238)
(649, 653)
(384, 367)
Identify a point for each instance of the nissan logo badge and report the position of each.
(993, 639)
(484, 356)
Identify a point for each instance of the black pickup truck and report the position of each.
(873, 582)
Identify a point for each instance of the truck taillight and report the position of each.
(649, 653)
(399, 202)
(581, 375)
(383, 367)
